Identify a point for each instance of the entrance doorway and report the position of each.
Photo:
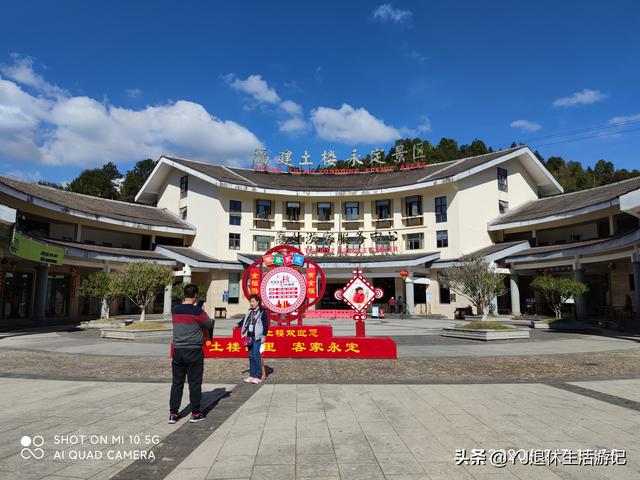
(57, 296)
(16, 295)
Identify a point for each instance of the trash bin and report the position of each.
(220, 312)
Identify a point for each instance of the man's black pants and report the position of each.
(187, 362)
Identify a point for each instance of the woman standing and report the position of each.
(255, 326)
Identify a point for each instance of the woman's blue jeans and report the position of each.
(255, 363)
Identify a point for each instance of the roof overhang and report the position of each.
(125, 257)
(197, 263)
(87, 216)
(630, 202)
(151, 188)
(384, 262)
(553, 218)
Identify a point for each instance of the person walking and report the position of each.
(392, 305)
(189, 321)
(400, 304)
(255, 326)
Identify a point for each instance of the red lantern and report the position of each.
(404, 273)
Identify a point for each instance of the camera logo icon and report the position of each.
(36, 442)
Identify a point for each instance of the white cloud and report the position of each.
(386, 13)
(68, 130)
(293, 126)
(133, 92)
(422, 128)
(22, 72)
(351, 126)
(621, 120)
(32, 177)
(292, 108)
(526, 125)
(583, 97)
(255, 86)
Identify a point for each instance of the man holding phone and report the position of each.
(189, 322)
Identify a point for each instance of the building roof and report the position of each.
(568, 204)
(363, 183)
(598, 245)
(95, 208)
(498, 250)
(76, 249)
(194, 257)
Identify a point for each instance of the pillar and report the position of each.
(636, 283)
(409, 295)
(40, 303)
(494, 305)
(514, 289)
(186, 277)
(166, 308)
(581, 300)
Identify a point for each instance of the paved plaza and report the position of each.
(563, 406)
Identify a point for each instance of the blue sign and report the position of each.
(225, 296)
(298, 260)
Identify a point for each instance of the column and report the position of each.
(636, 283)
(166, 308)
(186, 277)
(409, 295)
(581, 300)
(514, 288)
(494, 305)
(42, 278)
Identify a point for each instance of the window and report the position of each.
(235, 206)
(263, 209)
(502, 180)
(575, 238)
(293, 211)
(442, 238)
(233, 288)
(383, 209)
(352, 211)
(324, 211)
(234, 241)
(262, 243)
(183, 213)
(415, 241)
(184, 186)
(503, 206)
(413, 206)
(441, 209)
(632, 283)
(234, 219)
(445, 293)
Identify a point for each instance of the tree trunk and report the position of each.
(142, 312)
(484, 313)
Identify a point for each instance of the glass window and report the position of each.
(352, 211)
(502, 179)
(415, 241)
(441, 209)
(234, 219)
(262, 243)
(234, 241)
(442, 238)
(503, 206)
(184, 185)
(413, 206)
(263, 209)
(234, 287)
(235, 206)
(383, 209)
(293, 211)
(324, 211)
(183, 213)
(445, 293)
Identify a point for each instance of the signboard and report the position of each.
(22, 246)
(283, 290)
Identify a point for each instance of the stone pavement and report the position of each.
(325, 431)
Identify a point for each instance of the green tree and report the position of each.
(44, 183)
(98, 182)
(141, 282)
(99, 285)
(135, 178)
(177, 292)
(477, 280)
(557, 290)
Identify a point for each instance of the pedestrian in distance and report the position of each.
(189, 322)
(255, 326)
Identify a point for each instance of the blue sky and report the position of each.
(82, 83)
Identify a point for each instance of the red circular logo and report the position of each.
(283, 290)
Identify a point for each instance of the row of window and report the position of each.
(293, 210)
(414, 241)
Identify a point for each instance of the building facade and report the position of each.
(211, 221)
